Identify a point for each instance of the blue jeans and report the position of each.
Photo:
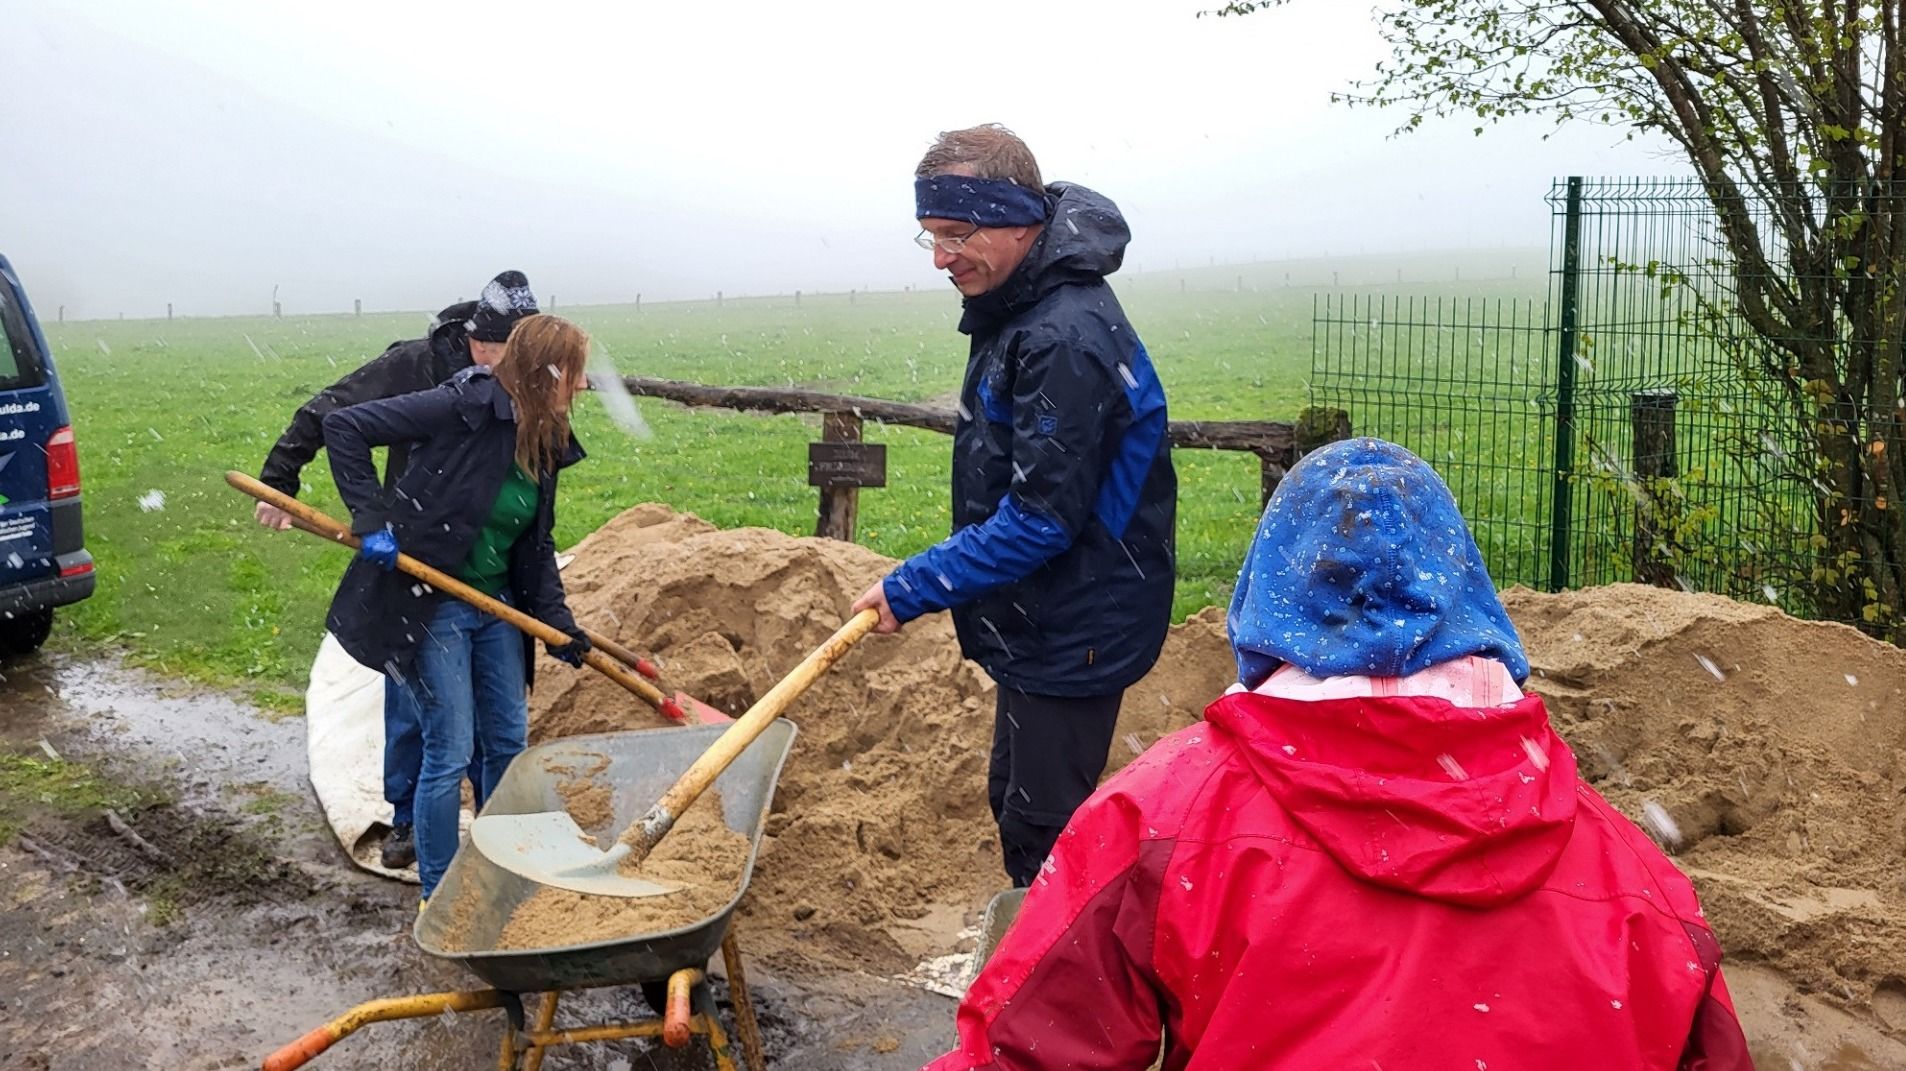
(404, 753)
(469, 691)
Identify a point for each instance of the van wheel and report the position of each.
(24, 632)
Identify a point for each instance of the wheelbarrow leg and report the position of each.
(745, 1023)
(512, 1004)
(717, 1038)
(545, 1018)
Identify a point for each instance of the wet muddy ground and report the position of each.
(219, 919)
(227, 922)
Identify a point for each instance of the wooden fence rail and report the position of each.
(1276, 444)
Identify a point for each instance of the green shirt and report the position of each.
(487, 569)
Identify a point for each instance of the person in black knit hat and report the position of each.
(464, 334)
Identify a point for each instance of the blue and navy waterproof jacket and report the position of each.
(1060, 568)
(1363, 566)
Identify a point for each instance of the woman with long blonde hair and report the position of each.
(477, 501)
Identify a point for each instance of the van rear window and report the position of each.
(19, 363)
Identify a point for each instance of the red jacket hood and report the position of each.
(1466, 805)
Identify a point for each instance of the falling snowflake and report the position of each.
(152, 501)
(1536, 755)
(1660, 823)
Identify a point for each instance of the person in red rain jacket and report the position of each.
(1374, 854)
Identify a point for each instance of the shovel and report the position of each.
(550, 849)
(679, 707)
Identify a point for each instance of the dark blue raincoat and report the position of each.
(1060, 568)
(462, 439)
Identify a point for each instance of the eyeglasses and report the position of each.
(929, 241)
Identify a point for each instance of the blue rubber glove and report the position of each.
(380, 548)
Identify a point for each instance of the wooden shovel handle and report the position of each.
(318, 523)
(653, 826)
(609, 646)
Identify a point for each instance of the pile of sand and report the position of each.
(880, 820)
(1777, 747)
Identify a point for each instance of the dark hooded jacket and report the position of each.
(403, 368)
(1389, 881)
(1060, 568)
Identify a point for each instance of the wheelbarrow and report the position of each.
(467, 912)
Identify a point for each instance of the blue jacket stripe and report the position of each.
(1137, 449)
(1002, 549)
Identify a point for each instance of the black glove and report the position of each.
(572, 651)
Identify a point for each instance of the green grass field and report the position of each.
(194, 588)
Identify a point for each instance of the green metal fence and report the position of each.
(1607, 431)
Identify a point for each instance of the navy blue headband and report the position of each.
(982, 202)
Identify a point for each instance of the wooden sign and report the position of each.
(846, 464)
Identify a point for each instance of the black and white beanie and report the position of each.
(505, 300)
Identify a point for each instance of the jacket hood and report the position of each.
(1363, 566)
(1465, 805)
(1083, 241)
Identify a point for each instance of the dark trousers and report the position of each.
(1048, 753)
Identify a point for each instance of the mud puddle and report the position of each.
(221, 920)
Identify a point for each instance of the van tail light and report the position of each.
(62, 465)
(80, 569)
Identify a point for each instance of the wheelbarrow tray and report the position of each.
(642, 766)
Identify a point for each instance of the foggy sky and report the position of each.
(403, 152)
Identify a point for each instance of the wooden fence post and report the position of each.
(1657, 504)
(357, 306)
(840, 474)
(1316, 425)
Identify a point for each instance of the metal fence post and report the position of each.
(1561, 501)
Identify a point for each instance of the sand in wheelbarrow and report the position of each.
(701, 855)
(589, 801)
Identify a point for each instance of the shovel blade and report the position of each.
(700, 713)
(549, 848)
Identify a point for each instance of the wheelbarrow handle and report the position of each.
(318, 523)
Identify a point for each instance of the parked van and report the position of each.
(43, 559)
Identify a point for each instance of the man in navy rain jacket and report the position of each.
(1060, 567)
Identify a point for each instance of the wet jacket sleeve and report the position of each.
(1064, 405)
(1716, 1043)
(398, 370)
(349, 435)
(1072, 984)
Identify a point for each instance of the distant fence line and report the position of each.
(1207, 282)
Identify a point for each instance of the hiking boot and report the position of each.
(400, 848)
